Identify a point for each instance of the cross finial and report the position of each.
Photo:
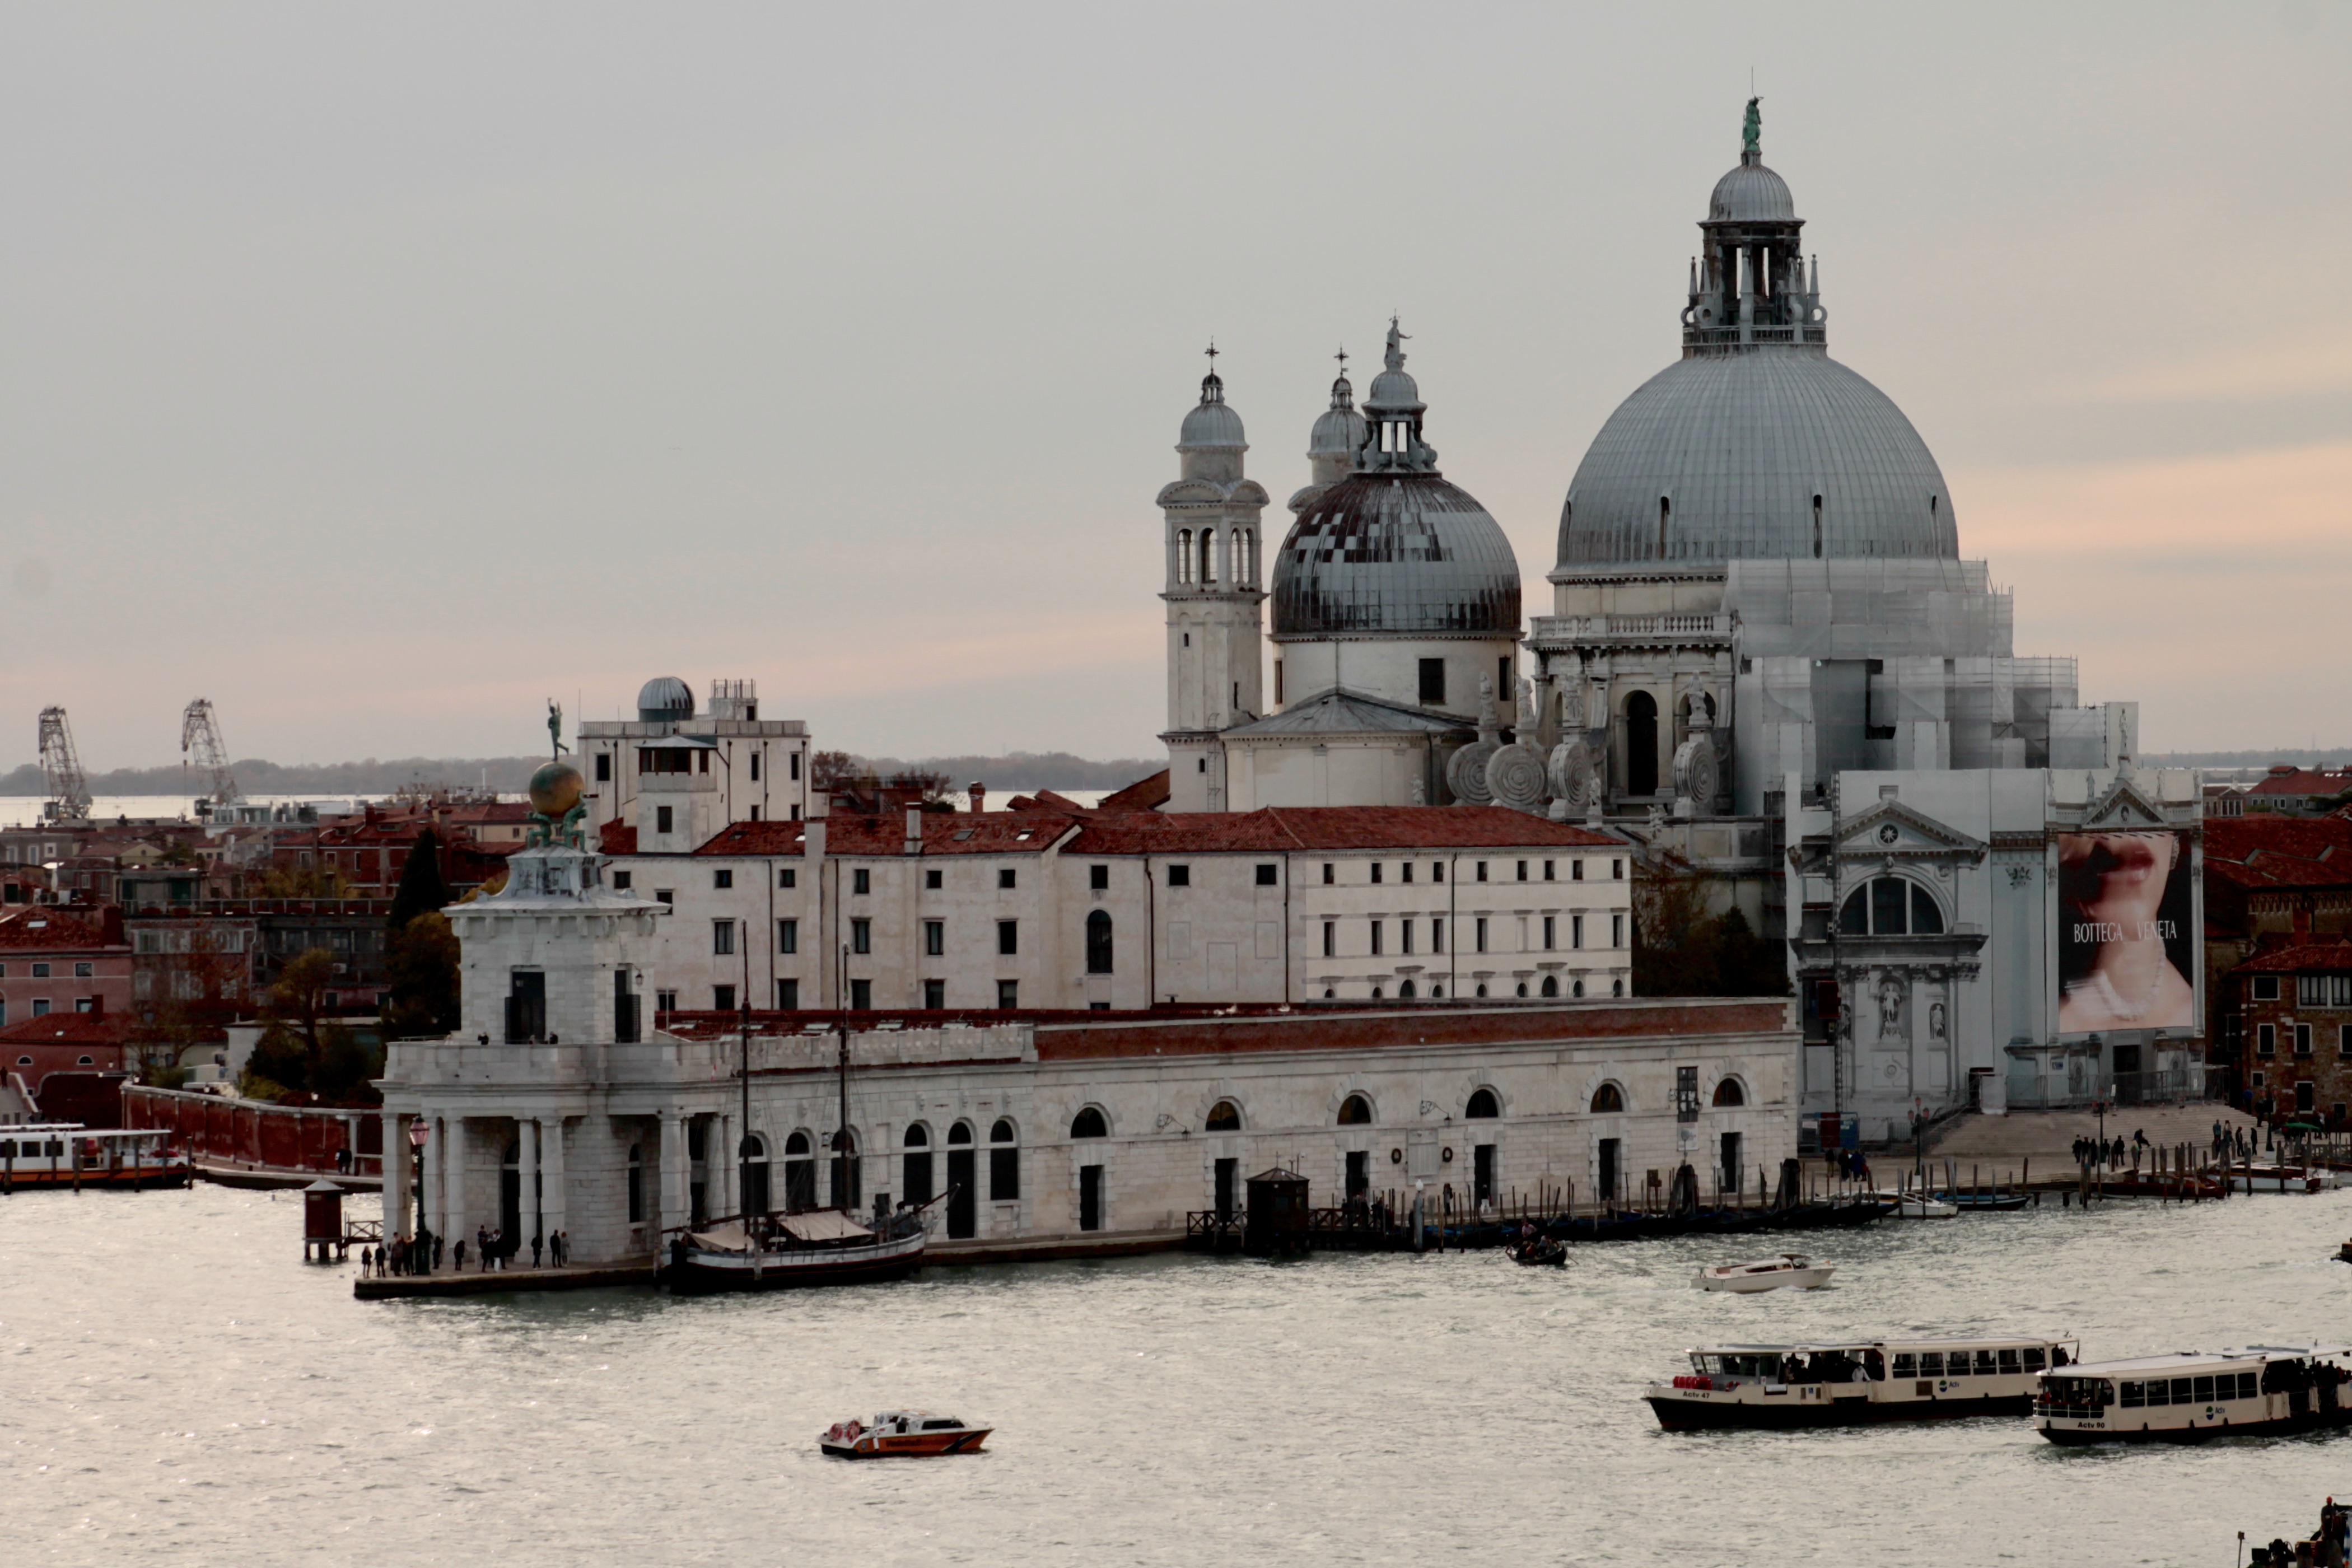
(1213, 353)
(1342, 357)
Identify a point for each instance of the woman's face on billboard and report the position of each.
(2116, 876)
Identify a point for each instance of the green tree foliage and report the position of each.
(304, 1052)
(1681, 948)
(423, 969)
(422, 887)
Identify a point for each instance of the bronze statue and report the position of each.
(1752, 130)
(555, 726)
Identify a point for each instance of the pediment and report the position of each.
(1892, 828)
(2122, 808)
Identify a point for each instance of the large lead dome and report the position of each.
(1756, 444)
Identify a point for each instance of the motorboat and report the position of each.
(902, 1434)
(784, 1252)
(1918, 1205)
(1786, 1272)
(2193, 1396)
(1850, 1383)
(2279, 1179)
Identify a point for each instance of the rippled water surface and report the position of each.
(181, 1388)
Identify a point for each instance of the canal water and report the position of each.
(181, 1388)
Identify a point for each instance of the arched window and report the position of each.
(1641, 743)
(1355, 1111)
(1482, 988)
(752, 1176)
(1224, 1117)
(1208, 555)
(1099, 942)
(1891, 906)
(1617, 987)
(1608, 1099)
(915, 1162)
(1551, 984)
(1817, 526)
(1728, 1092)
(1405, 991)
(1377, 993)
(800, 1173)
(1483, 1105)
(1183, 555)
(1437, 992)
(1089, 1123)
(1004, 1160)
(1577, 989)
(1522, 989)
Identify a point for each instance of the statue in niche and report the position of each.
(1890, 1008)
(1936, 1020)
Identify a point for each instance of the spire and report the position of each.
(1212, 386)
(1343, 392)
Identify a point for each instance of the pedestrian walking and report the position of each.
(482, 1246)
(458, 1252)
(367, 1259)
(536, 1242)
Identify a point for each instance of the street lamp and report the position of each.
(417, 1134)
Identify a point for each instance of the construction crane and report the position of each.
(69, 786)
(201, 748)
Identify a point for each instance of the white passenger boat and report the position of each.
(1786, 1272)
(1850, 1383)
(2279, 1179)
(1919, 1206)
(67, 1155)
(2194, 1396)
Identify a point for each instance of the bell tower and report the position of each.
(1215, 640)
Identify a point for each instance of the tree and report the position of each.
(190, 993)
(423, 969)
(422, 887)
(305, 882)
(829, 770)
(1681, 948)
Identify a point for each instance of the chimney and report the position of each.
(979, 796)
(914, 845)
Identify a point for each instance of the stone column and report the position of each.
(526, 1136)
(397, 1167)
(449, 1174)
(552, 1169)
(675, 1173)
(436, 1175)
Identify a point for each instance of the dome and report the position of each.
(665, 698)
(1752, 193)
(1210, 423)
(1339, 432)
(555, 788)
(1398, 553)
(1737, 446)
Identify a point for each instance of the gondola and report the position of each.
(1539, 1252)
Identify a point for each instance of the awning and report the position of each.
(824, 1225)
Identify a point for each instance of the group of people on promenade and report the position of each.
(2108, 1151)
(493, 1249)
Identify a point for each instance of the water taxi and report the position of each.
(1786, 1272)
(2279, 1179)
(902, 1434)
(67, 1155)
(2196, 1395)
(1854, 1383)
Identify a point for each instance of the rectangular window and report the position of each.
(622, 880)
(624, 1010)
(1616, 870)
(2267, 987)
(1330, 939)
(603, 767)
(40, 1006)
(722, 937)
(935, 937)
(788, 878)
(1098, 878)
(2266, 1039)
(933, 879)
(526, 1006)
(1375, 873)
(1331, 873)
(1576, 871)
(1552, 926)
(1686, 1094)
(861, 880)
(665, 1001)
(1576, 931)
(1478, 933)
(1437, 936)
(1523, 871)
(2303, 1039)
(85, 1004)
(861, 996)
(1265, 877)
(861, 936)
(1405, 871)
(1548, 876)
(1008, 995)
(1277, 683)
(1404, 934)
(722, 878)
(1004, 878)
(1433, 680)
(1008, 937)
(1376, 939)
(935, 994)
(796, 766)
(788, 936)
(2343, 1039)
(663, 816)
(722, 998)
(788, 996)
(1004, 1169)
(1179, 876)
(82, 972)
(1437, 872)
(1482, 870)
(1616, 930)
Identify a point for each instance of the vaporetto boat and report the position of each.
(2194, 1396)
(1853, 1382)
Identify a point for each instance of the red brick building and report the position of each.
(2296, 1003)
(69, 1043)
(56, 961)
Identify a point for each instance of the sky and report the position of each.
(381, 372)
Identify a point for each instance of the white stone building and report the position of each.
(555, 1108)
(676, 777)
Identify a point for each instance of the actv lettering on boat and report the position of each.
(1856, 1382)
(2197, 1395)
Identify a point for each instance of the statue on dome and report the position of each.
(1396, 347)
(1751, 130)
(555, 726)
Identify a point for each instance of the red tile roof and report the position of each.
(1272, 830)
(1144, 795)
(70, 1029)
(40, 928)
(617, 837)
(2293, 781)
(2335, 954)
(2273, 851)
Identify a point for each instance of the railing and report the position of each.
(1594, 627)
(2179, 1087)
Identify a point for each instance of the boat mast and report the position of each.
(743, 1144)
(841, 1136)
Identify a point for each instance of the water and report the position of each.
(181, 1388)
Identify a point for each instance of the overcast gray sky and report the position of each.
(379, 372)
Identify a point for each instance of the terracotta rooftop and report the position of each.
(2272, 851)
(2304, 956)
(40, 928)
(70, 1029)
(2284, 779)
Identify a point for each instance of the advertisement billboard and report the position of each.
(2126, 952)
